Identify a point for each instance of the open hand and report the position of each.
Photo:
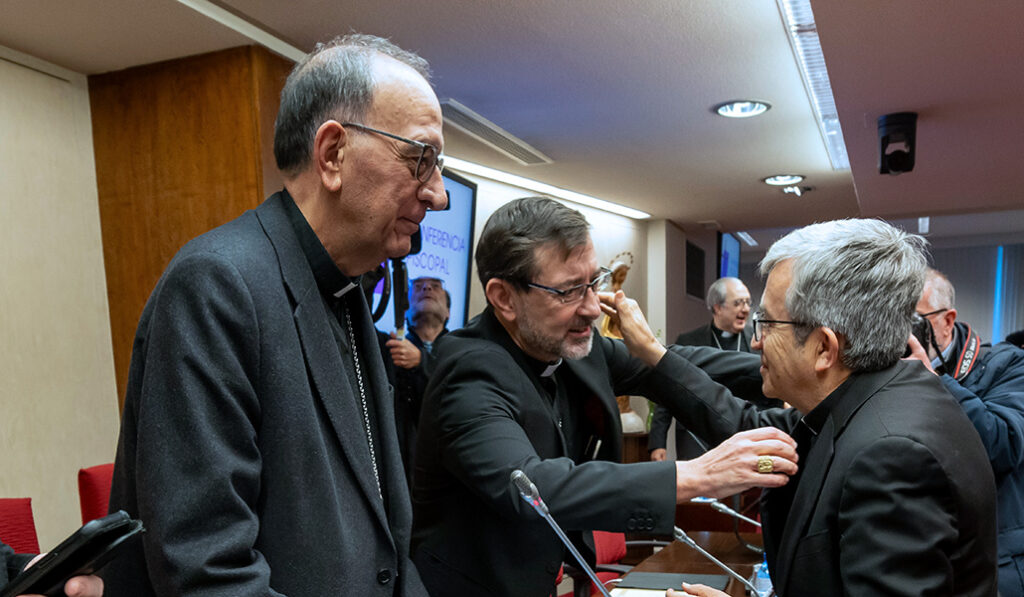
(732, 466)
(636, 332)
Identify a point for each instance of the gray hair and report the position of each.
(506, 246)
(861, 278)
(943, 295)
(717, 291)
(334, 81)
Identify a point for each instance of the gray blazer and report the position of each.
(242, 446)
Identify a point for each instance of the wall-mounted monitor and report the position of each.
(446, 253)
(728, 255)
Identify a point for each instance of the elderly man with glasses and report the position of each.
(894, 495)
(988, 382)
(258, 441)
(529, 385)
(729, 302)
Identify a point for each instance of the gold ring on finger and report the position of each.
(765, 464)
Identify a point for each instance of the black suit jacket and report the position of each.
(895, 497)
(705, 336)
(242, 445)
(486, 414)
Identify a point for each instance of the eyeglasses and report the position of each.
(741, 302)
(429, 157)
(421, 286)
(935, 312)
(576, 293)
(760, 323)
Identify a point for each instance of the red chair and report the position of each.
(94, 490)
(17, 526)
(609, 549)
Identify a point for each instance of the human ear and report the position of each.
(501, 296)
(329, 152)
(826, 345)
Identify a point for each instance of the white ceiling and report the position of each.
(618, 93)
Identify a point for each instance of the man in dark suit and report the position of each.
(894, 495)
(258, 442)
(529, 385)
(728, 300)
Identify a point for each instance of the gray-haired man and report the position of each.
(988, 382)
(894, 495)
(258, 440)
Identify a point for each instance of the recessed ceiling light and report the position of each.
(783, 180)
(742, 108)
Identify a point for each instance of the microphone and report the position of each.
(529, 492)
(720, 507)
(682, 536)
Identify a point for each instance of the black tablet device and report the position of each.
(84, 552)
(662, 581)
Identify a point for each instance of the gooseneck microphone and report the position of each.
(720, 507)
(682, 536)
(529, 492)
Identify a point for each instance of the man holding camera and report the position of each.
(988, 382)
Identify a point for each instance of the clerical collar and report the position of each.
(329, 278)
(551, 368)
(724, 335)
(542, 368)
(815, 419)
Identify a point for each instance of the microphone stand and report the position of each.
(682, 536)
(529, 492)
(720, 507)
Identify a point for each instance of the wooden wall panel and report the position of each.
(180, 148)
(269, 74)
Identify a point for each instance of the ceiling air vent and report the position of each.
(488, 133)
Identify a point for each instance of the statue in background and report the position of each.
(631, 421)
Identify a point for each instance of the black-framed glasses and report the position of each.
(935, 312)
(759, 323)
(576, 293)
(429, 157)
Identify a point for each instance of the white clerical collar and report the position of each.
(550, 369)
(344, 290)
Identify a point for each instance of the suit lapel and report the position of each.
(805, 499)
(323, 362)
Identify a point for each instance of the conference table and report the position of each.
(679, 557)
